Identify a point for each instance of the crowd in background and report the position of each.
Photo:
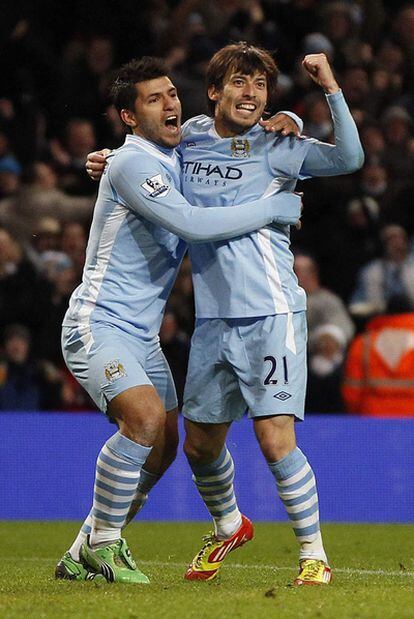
(354, 253)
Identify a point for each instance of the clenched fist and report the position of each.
(318, 68)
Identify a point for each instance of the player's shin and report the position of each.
(296, 486)
(117, 475)
(214, 482)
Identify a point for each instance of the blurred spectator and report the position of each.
(86, 76)
(22, 289)
(73, 244)
(383, 279)
(317, 118)
(327, 346)
(398, 136)
(379, 373)
(324, 307)
(24, 384)
(10, 172)
(40, 197)
(69, 155)
(59, 271)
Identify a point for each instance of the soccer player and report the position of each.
(249, 345)
(110, 332)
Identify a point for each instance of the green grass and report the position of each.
(373, 575)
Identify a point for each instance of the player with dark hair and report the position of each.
(249, 345)
(110, 331)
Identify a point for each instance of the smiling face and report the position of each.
(157, 112)
(239, 103)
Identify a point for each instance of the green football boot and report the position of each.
(69, 569)
(114, 562)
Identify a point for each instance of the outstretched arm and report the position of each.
(346, 155)
(143, 187)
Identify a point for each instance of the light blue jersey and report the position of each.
(253, 275)
(133, 252)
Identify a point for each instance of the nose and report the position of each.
(169, 103)
(248, 89)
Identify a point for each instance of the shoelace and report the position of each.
(208, 540)
(312, 569)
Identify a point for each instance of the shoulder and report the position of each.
(128, 157)
(197, 124)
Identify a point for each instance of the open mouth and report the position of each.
(171, 122)
(248, 108)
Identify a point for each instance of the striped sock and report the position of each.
(85, 530)
(296, 486)
(117, 475)
(146, 481)
(214, 482)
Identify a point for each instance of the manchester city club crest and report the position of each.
(240, 148)
(114, 370)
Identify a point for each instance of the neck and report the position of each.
(226, 130)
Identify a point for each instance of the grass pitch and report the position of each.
(373, 568)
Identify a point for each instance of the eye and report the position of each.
(261, 84)
(238, 82)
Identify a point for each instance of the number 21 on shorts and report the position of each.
(269, 380)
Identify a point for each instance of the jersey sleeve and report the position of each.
(142, 185)
(286, 154)
(343, 157)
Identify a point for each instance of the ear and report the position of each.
(129, 118)
(213, 93)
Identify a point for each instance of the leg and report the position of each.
(160, 459)
(209, 458)
(213, 473)
(273, 384)
(212, 400)
(297, 489)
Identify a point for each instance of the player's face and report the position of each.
(157, 112)
(240, 103)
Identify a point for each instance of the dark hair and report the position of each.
(246, 59)
(123, 92)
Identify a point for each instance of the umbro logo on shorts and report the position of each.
(282, 395)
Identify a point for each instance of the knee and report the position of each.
(142, 426)
(198, 452)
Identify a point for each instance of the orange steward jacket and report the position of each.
(379, 370)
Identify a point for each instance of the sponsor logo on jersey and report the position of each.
(114, 370)
(210, 174)
(282, 395)
(156, 187)
(190, 144)
(240, 148)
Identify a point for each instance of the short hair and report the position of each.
(123, 92)
(242, 58)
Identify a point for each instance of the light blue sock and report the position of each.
(118, 470)
(296, 486)
(214, 482)
(146, 481)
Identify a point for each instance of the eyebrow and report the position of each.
(159, 92)
(261, 76)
